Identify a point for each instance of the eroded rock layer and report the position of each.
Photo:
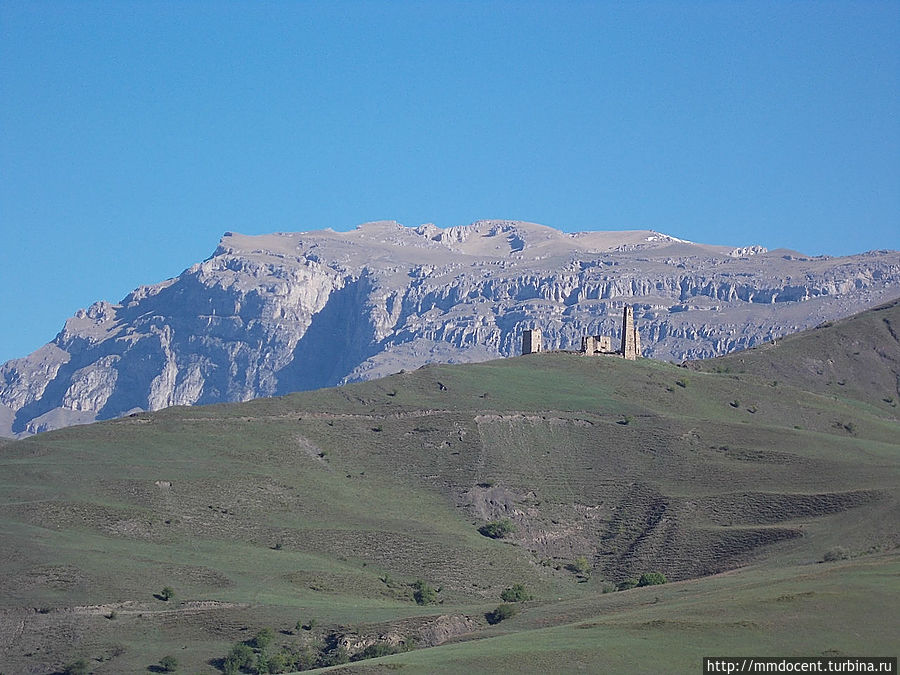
(267, 315)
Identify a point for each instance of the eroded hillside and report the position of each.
(331, 504)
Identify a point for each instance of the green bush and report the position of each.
(169, 664)
(305, 659)
(502, 613)
(625, 585)
(515, 593)
(376, 650)
(240, 656)
(283, 661)
(423, 593)
(497, 529)
(280, 662)
(580, 566)
(335, 657)
(167, 593)
(263, 639)
(652, 579)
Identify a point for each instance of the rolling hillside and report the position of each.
(323, 508)
(856, 358)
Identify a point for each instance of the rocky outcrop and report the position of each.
(278, 313)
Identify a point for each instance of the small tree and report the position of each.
(497, 529)
(516, 593)
(169, 664)
(581, 566)
(423, 593)
(263, 639)
(167, 593)
(652, 579)
(240, 656)
(502, 613)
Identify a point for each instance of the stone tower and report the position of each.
(531, 341)
(596, 344)
(631, 339)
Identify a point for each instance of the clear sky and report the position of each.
(133, 134)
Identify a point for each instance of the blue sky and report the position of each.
(133, 134)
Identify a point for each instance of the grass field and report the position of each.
(326, 506)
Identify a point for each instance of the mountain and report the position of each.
(772, 511)
(267, 315)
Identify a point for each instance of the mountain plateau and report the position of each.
(271, 314)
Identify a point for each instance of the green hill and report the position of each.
(324, 508)
(857, 358)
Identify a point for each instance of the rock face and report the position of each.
(267, 315)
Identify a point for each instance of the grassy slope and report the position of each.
(325, 504)
(857, 358)
(829, 609)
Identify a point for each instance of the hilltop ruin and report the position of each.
(592, 345)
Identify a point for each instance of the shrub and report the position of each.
(263, 639)
(652, 579)
(502, 613)
(497, 529)
(580, 566)
(240, 656)
(281, 662)
(376, 650)
(334, 658)
(515, 593)
(169, 664)
(836, 553)
(683, 383)
(305, 659)
(79, 667)
(167, 593)
(625, 585)
(423, 593)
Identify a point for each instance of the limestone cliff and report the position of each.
(266, 315)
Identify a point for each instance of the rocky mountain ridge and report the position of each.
(270, 314)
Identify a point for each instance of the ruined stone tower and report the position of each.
(531, 341)
(631, 339)
(596, 344)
